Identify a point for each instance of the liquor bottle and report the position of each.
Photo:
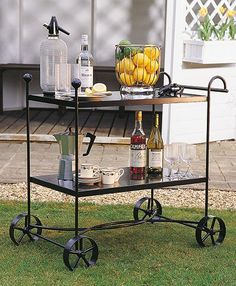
(155, 149)
(85, 61)
(138, 150)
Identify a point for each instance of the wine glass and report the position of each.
(188, 153)
(171, 156)
(179, 146)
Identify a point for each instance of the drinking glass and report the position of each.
(188, 154)
(64, 75)
(62, 79)
(171, 154)
(179, 146)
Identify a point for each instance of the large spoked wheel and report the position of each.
(81, 249)
(210, 230)
(146, 208)
(19, 228)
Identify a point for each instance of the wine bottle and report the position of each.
(138, 150)
(155, 149)
(85, 61)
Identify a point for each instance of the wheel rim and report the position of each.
(19, 229)
(210, 231)
(81, 249)
(146, 208)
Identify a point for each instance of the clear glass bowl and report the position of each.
(137, 68)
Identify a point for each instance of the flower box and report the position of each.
(209, 52)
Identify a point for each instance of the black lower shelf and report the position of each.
(124, 184)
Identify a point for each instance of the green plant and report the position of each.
(227, 24)
(221, 29)
(206, 27)
(231, 25)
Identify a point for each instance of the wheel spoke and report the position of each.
(143, 210)
(21, 237)
(87, 250)
(149, 204)
(213, 223)
(30, 236)
(77, 262)
(212, 239)
(85, 260)
(144, 217)
(205, 237)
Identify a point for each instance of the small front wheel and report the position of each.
(146, 208)
(19, 228)
(210, 230)
(80, 248)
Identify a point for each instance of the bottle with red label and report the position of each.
(138, 150)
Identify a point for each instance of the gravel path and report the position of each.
(218, 199)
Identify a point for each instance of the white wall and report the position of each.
(186, 122)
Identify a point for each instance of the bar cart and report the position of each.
(208, 230)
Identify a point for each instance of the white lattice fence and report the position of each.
(213, 7)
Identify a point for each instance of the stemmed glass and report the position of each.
(188, 153)
(171, 154)
(179, 146)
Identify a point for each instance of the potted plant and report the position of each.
(216, 43)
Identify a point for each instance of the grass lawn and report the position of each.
(159, 254)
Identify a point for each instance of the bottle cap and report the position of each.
(53, 28)
(139, 115)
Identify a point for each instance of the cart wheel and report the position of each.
(77, 248)
(146, 208)
(19, 228)
(210, 230)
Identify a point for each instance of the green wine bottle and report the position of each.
(155, 149)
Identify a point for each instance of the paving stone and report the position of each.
(232, 186)
(45, 159)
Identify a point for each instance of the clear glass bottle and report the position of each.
(86, 62)
(138, 150)
(155, 149)
(53, 51)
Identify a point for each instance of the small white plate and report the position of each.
(88, 181)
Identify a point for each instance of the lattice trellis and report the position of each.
(213, 7)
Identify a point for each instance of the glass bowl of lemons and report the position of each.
(137, 67)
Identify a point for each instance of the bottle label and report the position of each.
(154, 158)
(86, 76)
(138, 158)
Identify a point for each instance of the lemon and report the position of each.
(141, 60)
(88, 91)
(152, 66)
(151, 78)
(152, 52)
(140, 74)
(126, 65)
(127, 79)
(99, 87)
(120, 66)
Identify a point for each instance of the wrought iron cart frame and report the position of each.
(208, 228)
